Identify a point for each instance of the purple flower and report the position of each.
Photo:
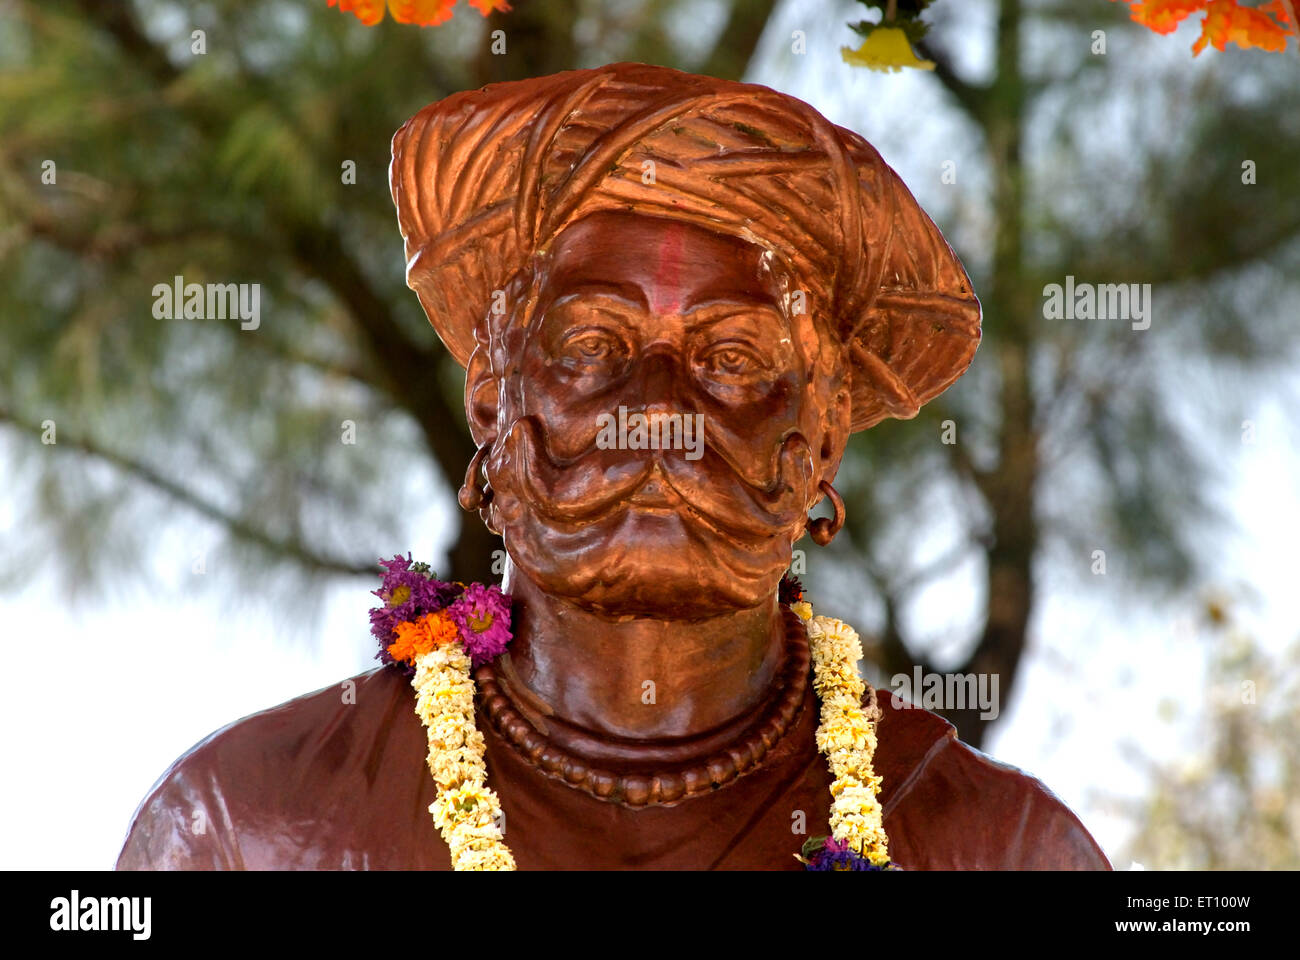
(483, 616)
(789, 590)
(837, 855)
(408, 591)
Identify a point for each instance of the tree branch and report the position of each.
(331, 368)
(942, 564)
(972, 98)
(896, 655)
(239, 527)
(411, 371)
(736, 43)
(409, 368)
(118, 20)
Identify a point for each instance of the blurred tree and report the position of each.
(1234, 803)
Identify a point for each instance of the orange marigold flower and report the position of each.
(368, 12)
(418, 637)
(1164, 16)
(424, 13)
(1226, 21)
(403, 648)
(441, 627)
(1278, 9)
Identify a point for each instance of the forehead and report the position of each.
(666, 265)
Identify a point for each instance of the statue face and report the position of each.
(661, 420)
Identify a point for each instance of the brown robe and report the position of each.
(322, 784)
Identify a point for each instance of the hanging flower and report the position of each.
(887, 44)
(1164, 16)
(1228, 22)
(422, 13)
(1264, 27)
(887, 50)
(483, 616)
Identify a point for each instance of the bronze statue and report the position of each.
(626, 245)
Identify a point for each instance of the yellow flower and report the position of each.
(449, 732)
(886, 49)
(853, 765)
(848, 732)
(443, 664)
(803, 610)
(493, 857)
(838, 698)
(840, 678)
(459, 805)
(448, 772)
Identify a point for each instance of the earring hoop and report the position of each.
(472, 495)
(823, 529)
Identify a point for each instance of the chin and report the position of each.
(640, 562)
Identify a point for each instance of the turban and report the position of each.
(486, 179)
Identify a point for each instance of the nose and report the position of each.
(660, 381)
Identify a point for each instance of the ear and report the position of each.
(835, 437)
(482, 400)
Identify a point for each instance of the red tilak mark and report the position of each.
(666, 296)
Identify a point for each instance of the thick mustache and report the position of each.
(598, 482)
(722, 497)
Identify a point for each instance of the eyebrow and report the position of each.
(604, 290)
(630, 293)
(711, 311)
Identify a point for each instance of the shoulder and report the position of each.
(230, 801)
(950, 806)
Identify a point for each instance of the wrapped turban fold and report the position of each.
(486, 179)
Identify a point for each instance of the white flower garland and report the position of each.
(468, 812)
(847, 735)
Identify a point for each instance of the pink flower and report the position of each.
(483, 616)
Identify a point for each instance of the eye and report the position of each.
(591, 347)
(731, 360)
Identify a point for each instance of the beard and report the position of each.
(637, 533)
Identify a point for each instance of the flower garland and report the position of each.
(847, 738)
(436, 632)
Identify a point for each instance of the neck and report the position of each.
(637, 687)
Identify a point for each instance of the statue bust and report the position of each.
(675, 298)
